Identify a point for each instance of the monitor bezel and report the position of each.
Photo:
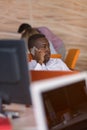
(38, 87)
(23, 65)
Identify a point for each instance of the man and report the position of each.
(56, 44)
(39, 48)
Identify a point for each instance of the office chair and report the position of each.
(52, 56)
(72, 57)
(55, 56)
(29, 57)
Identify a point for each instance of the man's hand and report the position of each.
(39, 56)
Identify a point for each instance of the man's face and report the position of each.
(43, 45)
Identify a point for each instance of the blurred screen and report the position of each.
(65, 105)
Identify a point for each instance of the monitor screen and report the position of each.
(14, 75)
(69, 99)
(61, 101)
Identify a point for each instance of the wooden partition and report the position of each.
(40, 75)
(66, 18)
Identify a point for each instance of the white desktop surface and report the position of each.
(26, 120)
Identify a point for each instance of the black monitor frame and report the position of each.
(14, 75)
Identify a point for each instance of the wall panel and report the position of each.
(66, 18)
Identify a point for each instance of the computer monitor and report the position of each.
(61, 103)
(14, 75)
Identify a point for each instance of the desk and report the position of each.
(40, 75)
(26, 120)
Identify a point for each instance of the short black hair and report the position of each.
(24, 26)
(33, 38)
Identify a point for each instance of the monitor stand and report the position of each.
(4, 99)
(4, 120)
